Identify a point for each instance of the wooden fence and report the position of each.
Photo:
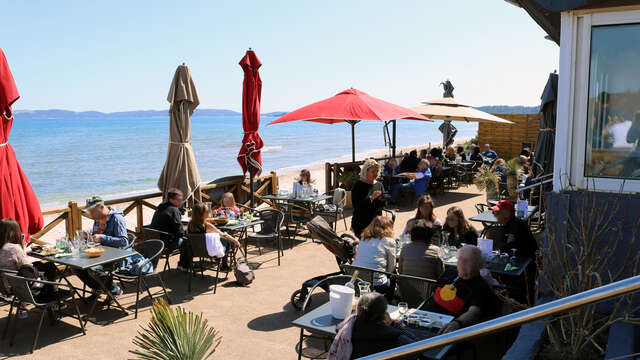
(71, 215)
(507, 139)
(333, 172)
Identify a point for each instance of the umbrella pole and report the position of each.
(251, 184)
(393, 151)
(353, 141)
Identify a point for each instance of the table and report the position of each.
(496, 266)
(84, 262)
(241, 227)
(319, 321)
(291, 198)
(488, 217)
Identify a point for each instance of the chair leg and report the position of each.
(144, 282)
(279, 244)
(164, 289)
(137, 296)
(6, 327)
(15, 320)
(190, 275)
(215, 284)
(35, 339)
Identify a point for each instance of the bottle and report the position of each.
(352, 283)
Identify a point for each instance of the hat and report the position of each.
(93, 202)
(503, 205)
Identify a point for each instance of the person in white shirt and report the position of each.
(377, 250)
(303, 180)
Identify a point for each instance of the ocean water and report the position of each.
(72, 159)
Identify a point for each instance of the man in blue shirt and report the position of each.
(419, 180)
(489, 154)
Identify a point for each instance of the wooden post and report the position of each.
(69, 227)
(139, 217)
(327, 177)
(76, 219)
(274, 182)
(335, 176)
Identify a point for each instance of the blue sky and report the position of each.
(121, 55)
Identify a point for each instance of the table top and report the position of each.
(240, 225)
(488, 216)
(83, 261)
(319, 321)
(291, 198)
(496, 266)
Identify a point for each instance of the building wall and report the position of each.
(507, 139)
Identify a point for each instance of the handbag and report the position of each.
(243, 273)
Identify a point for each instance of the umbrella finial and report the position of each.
(250, 49)
(183, 64)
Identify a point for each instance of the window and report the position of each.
(613, 103)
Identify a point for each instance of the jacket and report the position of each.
(422, 260)
(114, 233)
(367, 338)
(378, 254)
(168, 219)
(364, 209)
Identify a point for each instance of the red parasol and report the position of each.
(350, 106)
(249, 156)
(17, 199)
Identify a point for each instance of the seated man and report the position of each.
(109, 229)
(419, 257)
(410, 163)
(419, 180)
(168, 218)
(468, 297)
(488, 154)
(518, 236)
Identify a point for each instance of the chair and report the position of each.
(23, 295)
(198, 244)
(415, 290)
(295, 215)
(482, 208)
(269, 229)
(151, 233)
(151, 250)
(132, 240)
(6, 295)
(364, 274)
(339, 199)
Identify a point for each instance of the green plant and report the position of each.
(467, 144)
(486, 179)
(512, 167)
(174, 334)
(348, 179)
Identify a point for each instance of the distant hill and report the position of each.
(506, 109)
(66, 114)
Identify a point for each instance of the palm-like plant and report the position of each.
(174, 334)
(487, 180)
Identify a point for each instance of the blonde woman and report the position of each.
(366, 196)
(377, 250)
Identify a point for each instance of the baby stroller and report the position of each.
(343, 247)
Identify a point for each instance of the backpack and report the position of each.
(243, 273)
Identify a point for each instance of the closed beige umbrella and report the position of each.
(180, 169)
(450, 109)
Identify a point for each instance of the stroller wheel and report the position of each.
(297, 299)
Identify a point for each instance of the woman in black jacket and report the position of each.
(459, 229)
(366, 196)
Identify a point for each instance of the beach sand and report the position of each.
(286, 178)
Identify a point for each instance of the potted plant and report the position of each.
(487, 180)
(512, 171)
(175, 334)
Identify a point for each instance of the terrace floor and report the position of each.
(254, 322)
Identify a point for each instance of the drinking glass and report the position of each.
(444, 238)
(403, 307)
(364, 287)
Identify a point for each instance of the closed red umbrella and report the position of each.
(350, 106)
(249, 157)
(17, 199)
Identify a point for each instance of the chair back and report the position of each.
(151, 233)
(272, 221)
(20, 287)
(198, 245)
(364, 274)
(415, 290)
(495, 233)
(5, 288)
(482, 208)
(339, 197)
(132, 240)
(150, 249)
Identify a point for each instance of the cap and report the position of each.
(503, 205)
(93, 202)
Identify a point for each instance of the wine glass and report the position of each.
(403, 307)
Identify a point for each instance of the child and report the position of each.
(228, 203)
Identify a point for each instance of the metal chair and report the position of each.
(151, 250)
(6, 295)
(414, 290)
(295, 215)
(198, 243)
(339, 199)
(132, 240)
(20, 287)
(269, 230)
(165, 237)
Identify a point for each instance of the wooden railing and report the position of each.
(72, 214)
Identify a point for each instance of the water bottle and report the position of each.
(352, 283)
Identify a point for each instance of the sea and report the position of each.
(74, 158)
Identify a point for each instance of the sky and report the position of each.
(121, 55)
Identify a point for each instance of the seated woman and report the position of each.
(13, 256)
(369, 332)
(459, 229)
(390, 168)
(303, 180)
(419, 257)
(377, 251)
(425, 211)
(461, 153)
(228, 205)
(476, 155)
(199, 225)
(498, 169)
(450, 155)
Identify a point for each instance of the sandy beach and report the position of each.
(286, 177)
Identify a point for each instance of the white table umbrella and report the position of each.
(450, 109)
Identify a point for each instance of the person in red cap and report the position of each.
(516, 232)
